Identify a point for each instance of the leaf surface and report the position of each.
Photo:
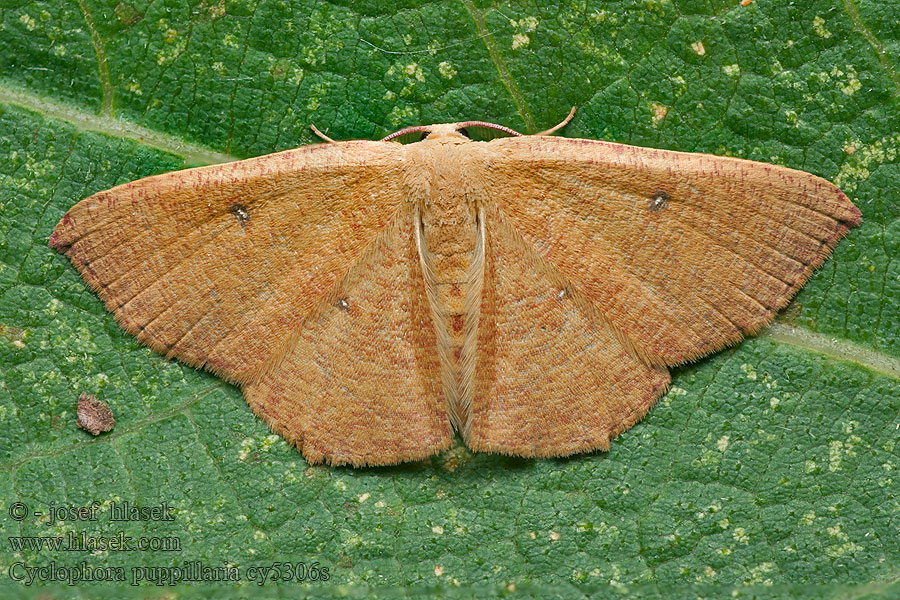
(776, 462)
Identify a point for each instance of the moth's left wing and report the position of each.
(682, 253)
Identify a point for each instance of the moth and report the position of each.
(529, 292)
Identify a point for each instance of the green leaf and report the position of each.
(769, 470)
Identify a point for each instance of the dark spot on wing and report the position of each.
(241, 213)
(659, 200)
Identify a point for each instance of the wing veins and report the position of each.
(778, 226)
(159, 250)
(344, 282)
(178, 264)
(717, 244)
(668, 298)
(785, 174)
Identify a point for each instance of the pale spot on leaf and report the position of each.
(246, 447)
(400, 114)
(722, 444)
(819, 27)
(749, 371)
(732, 70)
(415, 71)
(28, 21)
(757, 574)
(446, 70)
(659, 112)
(849, 83)
(864, 159)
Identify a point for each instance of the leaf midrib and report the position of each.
(111, 126)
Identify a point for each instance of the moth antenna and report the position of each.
(561, 124)
(328, 139)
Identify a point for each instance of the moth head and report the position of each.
(452, 133)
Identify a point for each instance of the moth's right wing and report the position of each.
(360, 383)
(218, 266)
(552, 377)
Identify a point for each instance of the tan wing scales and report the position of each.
(684, 253)
(360, 383)
(218, 265)
(552, 377)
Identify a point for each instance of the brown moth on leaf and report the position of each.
(529, 291)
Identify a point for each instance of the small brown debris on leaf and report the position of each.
(94, 415)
